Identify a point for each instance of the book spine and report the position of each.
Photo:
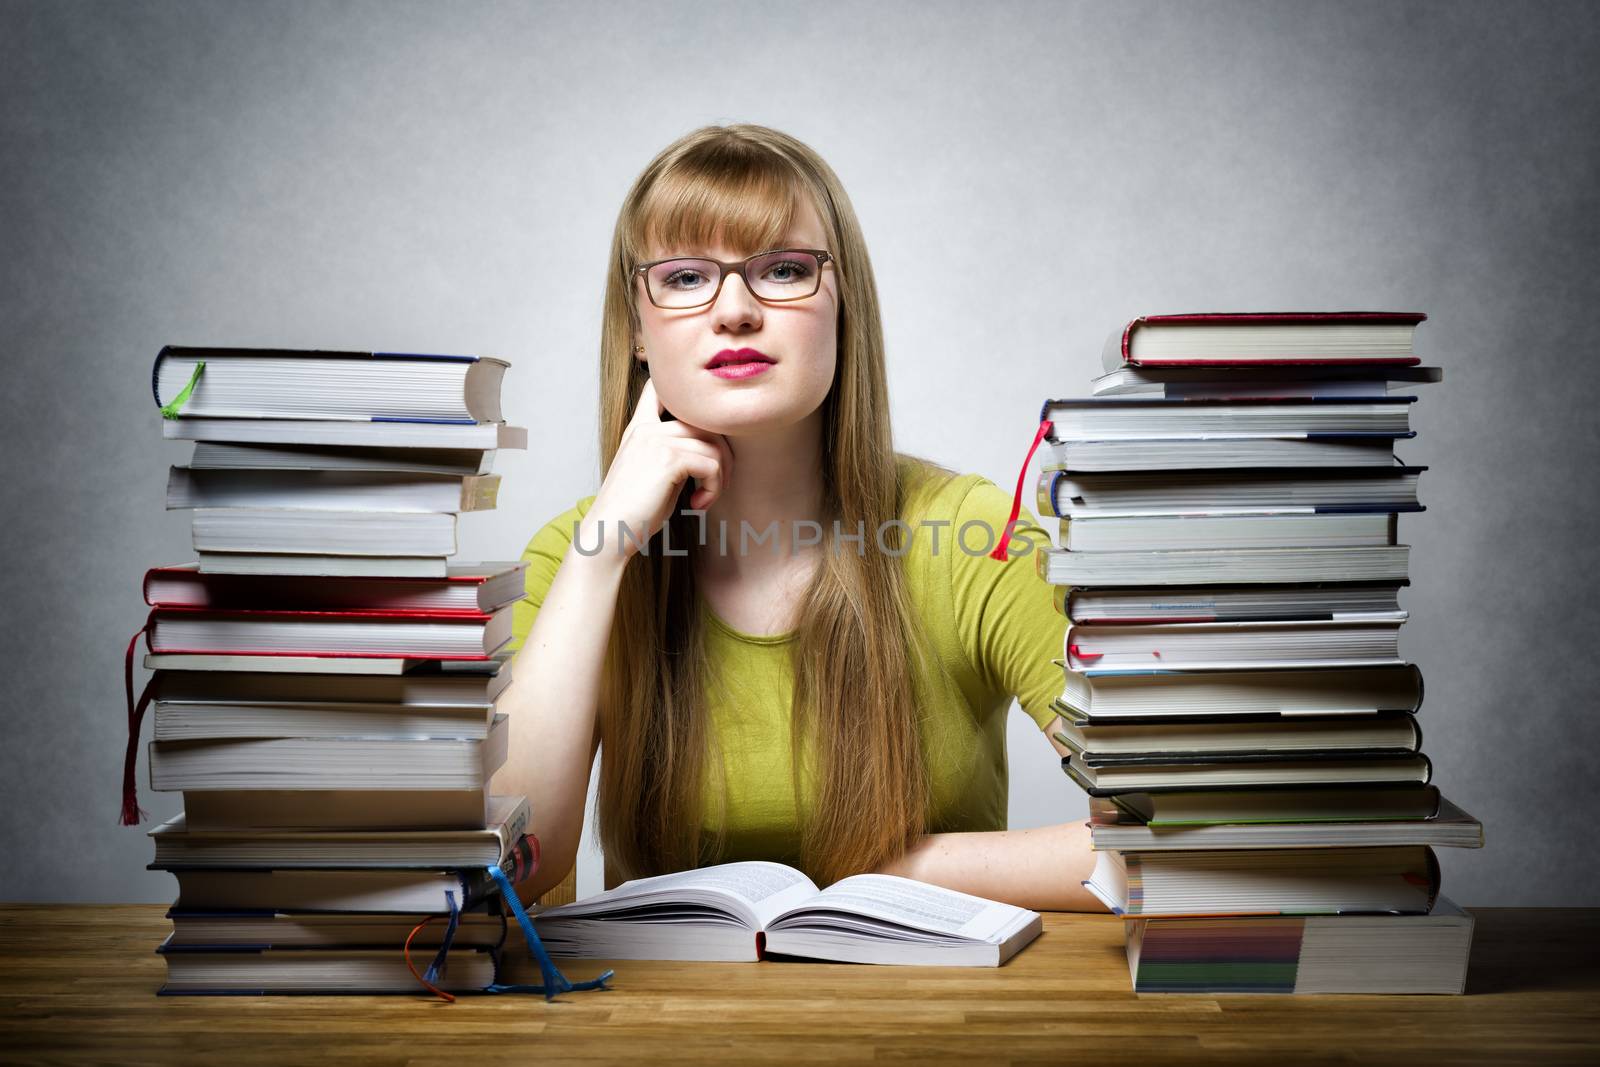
(522, 859)
(155, 375)
(479, 492)
(477, 886)
(517, 825)
(1115, 353)
(149, 575)
(1435, 876)
(1262, 955)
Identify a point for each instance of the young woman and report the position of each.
(786, 640)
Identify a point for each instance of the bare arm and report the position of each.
(555, 676)
(552, 701)
(1041, 869)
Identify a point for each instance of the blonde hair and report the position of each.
(856, 654)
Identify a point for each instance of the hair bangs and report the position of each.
(737, 196)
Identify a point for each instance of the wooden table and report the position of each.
(77, 984)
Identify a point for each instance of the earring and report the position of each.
(638, 350)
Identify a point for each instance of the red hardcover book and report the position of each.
(383, 634)
(469, 589)
(1266, 339)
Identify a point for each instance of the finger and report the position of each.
(683, 431)
(707, 474)
(711, 482)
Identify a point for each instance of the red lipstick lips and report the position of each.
(738, 355)
(739, 363)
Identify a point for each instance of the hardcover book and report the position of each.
(268, 383)
(1226, 339)
(744, 911)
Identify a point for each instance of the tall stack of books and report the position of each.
(325, 677)
(1235, 700)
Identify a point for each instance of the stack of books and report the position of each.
(325, 677)
(1236, 703)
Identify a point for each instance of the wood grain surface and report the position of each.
(78, 982)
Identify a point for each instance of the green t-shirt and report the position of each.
(992, 630)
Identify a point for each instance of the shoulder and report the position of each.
(555, 536)
(935, 495)
(930, 491)
(543, 555)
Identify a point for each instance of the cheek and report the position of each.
(822, 337)
(823, 363)
(818, 339)
(821, 330)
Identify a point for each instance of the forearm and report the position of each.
(1040, 869)
(552, 702)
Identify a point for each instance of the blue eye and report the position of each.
(787, 272)
(685, 279)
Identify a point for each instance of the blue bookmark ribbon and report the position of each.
(554, 981)
(436, 969)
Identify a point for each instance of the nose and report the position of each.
(735, 309)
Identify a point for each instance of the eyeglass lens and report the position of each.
(781, 275)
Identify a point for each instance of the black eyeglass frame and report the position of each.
(824, 257)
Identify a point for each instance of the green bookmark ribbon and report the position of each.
(170, 411)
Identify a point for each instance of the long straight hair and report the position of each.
(856, 655)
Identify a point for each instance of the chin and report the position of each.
(734, 416)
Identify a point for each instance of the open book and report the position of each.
(745, 911)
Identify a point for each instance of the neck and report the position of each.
(777, 482)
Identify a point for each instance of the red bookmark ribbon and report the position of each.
(132, 814)
(999, 552)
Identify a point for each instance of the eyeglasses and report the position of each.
(774, 277)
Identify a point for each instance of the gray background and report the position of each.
(445, 178)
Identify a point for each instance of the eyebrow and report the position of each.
(791, 244)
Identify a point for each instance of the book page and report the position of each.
(762, 890)
(918, 904)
